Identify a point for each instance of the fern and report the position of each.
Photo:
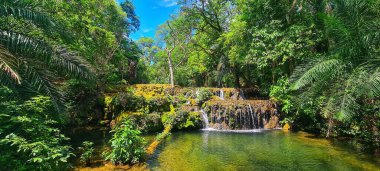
(320, 72)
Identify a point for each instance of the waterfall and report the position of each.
(253, 119)
(205, 119)
(221, 94)
(242, 96)
(235, 112)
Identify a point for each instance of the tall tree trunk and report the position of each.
(171, 69)
(237, 78)
(132, 72)
(329, 126)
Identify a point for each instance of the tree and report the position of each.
(32, 61)
(349, 74)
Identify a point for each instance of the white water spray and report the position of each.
(205, 119)
(221, 94)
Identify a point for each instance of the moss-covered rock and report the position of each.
(187, 120)
(148, 123)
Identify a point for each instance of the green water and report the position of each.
(267, 150)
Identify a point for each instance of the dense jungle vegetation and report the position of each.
(59, 61)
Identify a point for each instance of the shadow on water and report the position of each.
(98, 135)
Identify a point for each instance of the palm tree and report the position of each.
(350, 71)
(30, 62)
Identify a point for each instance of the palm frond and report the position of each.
(71, 62)
(41, 80)
(329, 108)
(38, 61)
(22, 12)
(7, 67)
(370, 85)
(53, 56)
(362, 83)
(326, 69)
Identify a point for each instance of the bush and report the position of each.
(84, 102)
(127, 145)
(87, 151)
(186, 120)
(158, 104)
(280, 93)
(29, 137)
(127, 101)
(203, 95)
(148, 123)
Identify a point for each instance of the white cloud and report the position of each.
(169, 3)
(146, 30)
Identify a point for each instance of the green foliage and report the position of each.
(346, 77)
(30, 138)
(127, 145)
(87, 151)
(203, 95)
(127, 101)
(83, 101)
(34, 61)
(158, 104)
(186, 120)
(147, 123)
(280, 92)
(168, 117)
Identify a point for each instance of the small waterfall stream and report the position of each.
(253, 117)
(205, 119)
(232, 110)
(240, 115)
(242, 96)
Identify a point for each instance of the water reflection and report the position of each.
(256, 150)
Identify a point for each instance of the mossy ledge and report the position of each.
(160, 108)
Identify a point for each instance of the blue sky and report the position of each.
(152, 13)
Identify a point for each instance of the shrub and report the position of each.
(127, 101)
(186, 120)
(148, 122)
(127, 145)
(29, 137)
(87, 151)
(203, 95)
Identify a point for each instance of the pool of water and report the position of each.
(257, 150)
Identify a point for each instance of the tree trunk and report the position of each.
(132, 71)
(171, 69)
(237, 79)
(329, 126)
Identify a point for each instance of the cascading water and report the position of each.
(205, 119)
(253, 117)
(241, 114)
(242, 96)
(232, 110)
(197, 92)
(221, 96)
